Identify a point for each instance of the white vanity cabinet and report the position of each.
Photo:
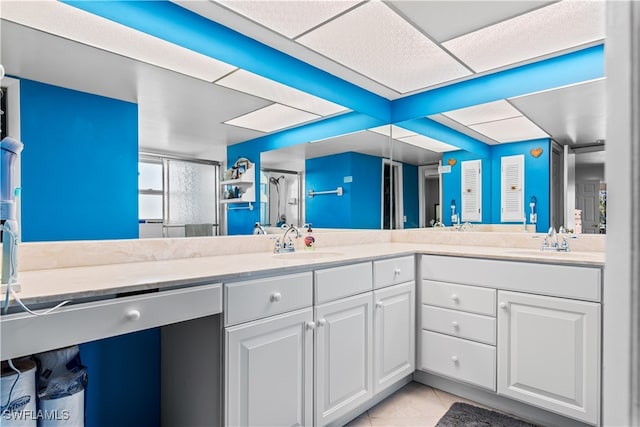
(269, 373)
(549, 352)
(458, 332)
(344, 349)
(313, 348)
(394, 335)
(394, 321)
(528, 331)
(365, 339)
(269, 351)
(344, 340)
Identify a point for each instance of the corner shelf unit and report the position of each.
(245, 184)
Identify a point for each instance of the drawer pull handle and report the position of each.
(455, 324)
(454, 359)
(396, 271)
(322, 322)
(455, 297)
(133, 315)
(276, 296)
(379, 304)
(310, 326)
(503, 305)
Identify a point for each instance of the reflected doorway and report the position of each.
(429, 188)
(392, 202)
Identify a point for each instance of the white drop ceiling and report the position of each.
(271, 118)
(389, 47)
(253, 84)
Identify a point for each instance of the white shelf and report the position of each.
(246, 182)
(237, 200)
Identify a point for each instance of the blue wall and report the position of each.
(537, 180)
(452, 185)
(79, 178)
(360, 206)
(79, 165)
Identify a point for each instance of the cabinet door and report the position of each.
(269, 371)
(394, 323)
(549, 353)
(343, 356)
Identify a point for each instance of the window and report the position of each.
(177, 197)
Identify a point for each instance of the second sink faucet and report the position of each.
(551, 242)
(287, 245)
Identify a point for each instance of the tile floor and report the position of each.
(413, 405)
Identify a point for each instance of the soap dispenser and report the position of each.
(309, 240)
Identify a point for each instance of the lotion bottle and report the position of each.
(309, 240)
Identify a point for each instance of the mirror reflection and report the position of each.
(391, 176)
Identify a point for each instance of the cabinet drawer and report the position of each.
(255, 299)
(459, 324)
(459, 297)
(546, 279)
(393, 271)
(459, 359)
(24, 334)
(339, 282)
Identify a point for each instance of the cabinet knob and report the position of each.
(379, 304)
(322, 322)
(396, 271)
(454, 359)
(133, 315)
(455, 298)
(276, 296)
(503, 305)
(455, 324)
(310, 325)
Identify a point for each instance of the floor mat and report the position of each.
(464, 415)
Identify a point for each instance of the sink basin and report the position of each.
(307, 255)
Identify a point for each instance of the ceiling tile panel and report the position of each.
(256, 85)
(376, 42)
(74, 24)
(289, 18)
(557, 27)
(510, 130)
(444, 20)
(428, 143)
(272, 118)
(396, 131)
(488, 112)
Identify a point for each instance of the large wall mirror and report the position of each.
(391, 176)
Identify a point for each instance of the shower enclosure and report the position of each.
(280, 197)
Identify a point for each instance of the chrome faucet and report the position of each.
(551, 243)
(259, 229)
(287, 245)
(465, 226)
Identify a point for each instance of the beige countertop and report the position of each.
(45, 286)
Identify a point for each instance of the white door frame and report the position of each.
(621, 290)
